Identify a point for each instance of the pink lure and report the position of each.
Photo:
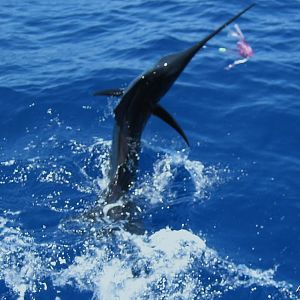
(244, 48)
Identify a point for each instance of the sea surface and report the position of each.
(222, 216)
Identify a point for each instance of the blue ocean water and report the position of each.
(221, 216)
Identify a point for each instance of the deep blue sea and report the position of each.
(222, 216)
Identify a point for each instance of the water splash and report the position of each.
(21, 265)
(165, 169)
(168, 264)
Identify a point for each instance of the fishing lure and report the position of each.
(244, 49)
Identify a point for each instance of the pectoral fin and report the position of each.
(110, 92)
(160, 112)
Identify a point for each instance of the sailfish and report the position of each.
(137, 104)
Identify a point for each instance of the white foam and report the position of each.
(171, 264)
(21, 265)
(8, 163)
(166, 264)
(167, 252)
(164, 171)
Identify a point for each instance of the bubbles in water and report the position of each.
(167, 264)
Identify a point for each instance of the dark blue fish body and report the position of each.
(137, 104)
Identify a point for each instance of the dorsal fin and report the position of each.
(160, 112)
(110, 92)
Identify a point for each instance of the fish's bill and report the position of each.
(199, 45)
